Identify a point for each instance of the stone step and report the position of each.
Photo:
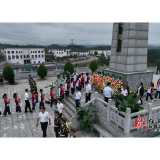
(67, 109)
(70, 105)
(67, 116)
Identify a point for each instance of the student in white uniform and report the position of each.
(78, 98)
(150, 91)
(158, 91)
(27, 101)
(75, 75)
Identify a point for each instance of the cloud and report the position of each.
(61, 33)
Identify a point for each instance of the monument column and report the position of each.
(129, 53)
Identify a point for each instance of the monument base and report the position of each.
(133, 78)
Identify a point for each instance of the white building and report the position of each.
(22, 55)
(60, 52)
(80, 52)
(100, 51)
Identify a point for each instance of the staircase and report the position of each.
(69, 103)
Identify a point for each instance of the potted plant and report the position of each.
(51, 86)
(129, 102)
(85, 116)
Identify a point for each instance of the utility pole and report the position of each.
(72, 43)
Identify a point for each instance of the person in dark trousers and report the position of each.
(63, 129)
(1, 81)
(150, 91)
(158, 91)
(118, 96)
(78, 98)
(140, 91)
(68, 76)
(61, 93)
(57, 123)
(79, 82)
(67, 88)
(60, 108)
(72, 133)
(17, 101)
(82, 80)
(27, 101)
(126, 84)
(41, 99)
(52, 98)
(44, 117)
(33, 100)
(88, 91)
(6, 104)
(73, 84)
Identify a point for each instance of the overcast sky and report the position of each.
(61, 33)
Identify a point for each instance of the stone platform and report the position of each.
(133, 78)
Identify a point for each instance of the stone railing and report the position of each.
(124, 120)
(154, 69)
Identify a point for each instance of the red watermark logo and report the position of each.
(139, 123)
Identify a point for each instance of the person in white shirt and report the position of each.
(107, 91)
(60, 108)
(88, 91)
(44, 117)
(158, 91)
(124, 91)
(75, 76)
(27, 101)
(78, 97)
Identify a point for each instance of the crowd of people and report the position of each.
(75, 85)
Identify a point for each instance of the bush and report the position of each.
(95, 53)
(6, 71)
(93, 66)
(69, 66)
(42, 71)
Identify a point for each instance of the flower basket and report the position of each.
(47, 101)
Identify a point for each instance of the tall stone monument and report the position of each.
(129, 53)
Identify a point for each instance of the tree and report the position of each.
(95, 53)
(69, 66)
(42, 71)
(58, 59)
(93, 66)
(6, 71)
(46, 49)
(157, 63)
(102, 54)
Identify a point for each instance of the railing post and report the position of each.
(96, 101)
(56, 68)
(150, 112)
(127, 122)
(109, 110)
(82, 103)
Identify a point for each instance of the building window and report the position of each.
(35, 51)
(31, 51)
(12, 57)
(64, 50)
(16, 51)
(17, 57)
(9, 57)
(24, 56)
(8, 52)
(42, 55)
(27, 56)
(32, 56)
(39, 62)
(39, 56)
(21, 56)
(34, 62)
(38, 51)
(21, 51)
(35, 56)
(12, 51)
(41, 51)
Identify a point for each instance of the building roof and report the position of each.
(79, 50)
